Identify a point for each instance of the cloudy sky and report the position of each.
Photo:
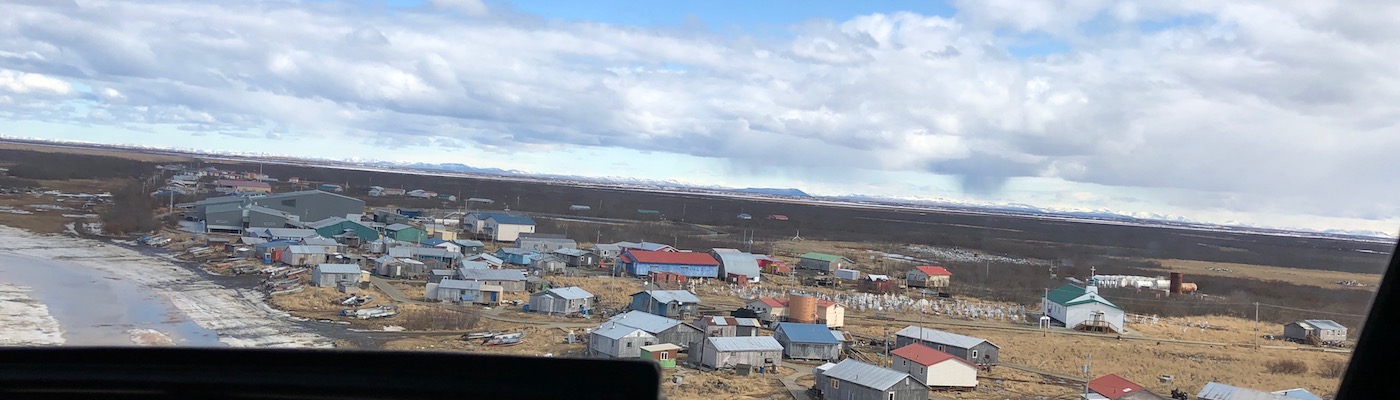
(1270, 112)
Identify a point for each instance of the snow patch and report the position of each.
(25, 321)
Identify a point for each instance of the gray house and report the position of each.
(544, 242)
(549, 264)
(577, 257)
(469, 247)
(666, 303)
(729, 352)
(510, 280)
(567, 300)
(855, 380)
(808, 341)
(718, 326)
(974, 350)
(665, 329)
(456, 291)
(619, 341)
(607, 251)
(438, 275)
(1315, 331)
(333, 275)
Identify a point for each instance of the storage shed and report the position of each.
(333, 275)
(1315, 331)
(304, 255)
(823, 262)
(728, 352)
(807, 341)
(459, 291)
(927, 276)
(510, 280)
(973, 350)
(666, 329)
(727, 326)
(851, 379)
(664, 354)
(577, 257)
(562, 301)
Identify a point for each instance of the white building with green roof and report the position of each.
(1082, 309)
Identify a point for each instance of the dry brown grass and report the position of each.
(98, 152)
(1140, 361)
(697, 385)
(315, 302)
(538, 342)
(413, 291)
(611, 291)
(1310, 277)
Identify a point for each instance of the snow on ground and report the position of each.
(240, 317)
(150, 337)
(25, 321)
(953, 254)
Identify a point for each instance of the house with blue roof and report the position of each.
(517, 256)
(808, 341)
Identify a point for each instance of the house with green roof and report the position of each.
(1082, 309)
(827, 263)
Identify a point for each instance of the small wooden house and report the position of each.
(851, 379)
(729, 352)
(934, 368)
(664, 354)
(1315, 331)
(973, 350)
(928, 277)
(807, 341)
(562, 301)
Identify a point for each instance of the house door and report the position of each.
(493, 297)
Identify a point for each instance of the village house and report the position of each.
(469, 247)
(666, 303)
(301, 256)
(1315, 331)
(517, 256)
(807, 341)
(335, 275)
(666, 330)
(607, 252)
(237, 186)
(695, 265)
(510, 280)
(390, 217)
(405, 233)
(1082, 309)
(934, 368)
(730, 352)
(727, 326)
(973, 350)
(928, 277)
(441, 244)
(292, 234)
(614, 340)
(577, 258)
(493, 261)
(440, 231)
(437, 275)
(771, 310)
(391, 267)
(548, 264)
(822, 262)
(544, 242)
(497, 226)
(562, 301)
(851, 379)
(878, 284)
(1221, 391)
(434, 256)
(461, 291)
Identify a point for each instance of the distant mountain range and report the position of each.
(790, 192)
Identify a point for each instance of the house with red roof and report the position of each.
(1114, 387)
(928, 277)
(934, 368)
(694, 265)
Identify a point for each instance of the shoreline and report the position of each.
(239, 316)
(26, 321)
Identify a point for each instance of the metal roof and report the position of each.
(746, 343)
(738, 263)
(1069, 295)
(667, 296)
(1113, 386)
(487, 258)
(571, 293)
(443, 272)
(933, 271)
(328, 222)
(491, 274)
(946, 338)
(651, 323)
(807, 333)
(1323, 324)
(511, 219)
(468, 243)
(606, 247)
(320, 241)
(306, 249)
(1220, 391)
(431, 242)
(719, 250)
(823, 257)
(398, 227)
(660, 347)
(474, 265)
(224, 207)
(618, 331)
(338, 268)
(303, 193)
(926, 356)
(863, 374)
(459, 284)
(572, 252)
(668, 257)
(290, 232)
(1299, 393)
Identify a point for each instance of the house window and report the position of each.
(903, 362)
(629, 345)
(834, 383)
(891, 395)
(974, 354)
(942, 348)
(665, 355)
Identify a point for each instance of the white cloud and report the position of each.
(1284, 107)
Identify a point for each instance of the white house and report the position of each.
(1082, 309)
(934, 368)
(619, 341)
(496, 225)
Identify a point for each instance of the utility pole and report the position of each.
(1256, 323)
(1088, 360)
